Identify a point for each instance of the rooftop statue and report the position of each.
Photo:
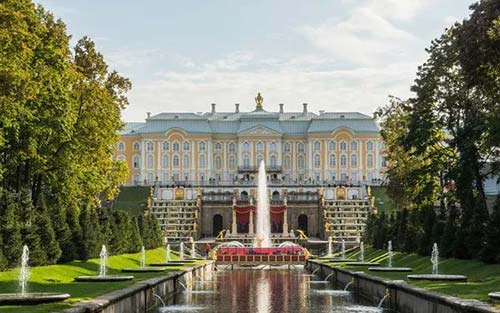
(259, 100)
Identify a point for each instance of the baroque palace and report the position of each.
(203, 167)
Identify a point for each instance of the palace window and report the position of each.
(300, 147)
(300, 162)
(317, 160)
(246, 147)
(136, 161)
(165, 146)
(343, 145)
(175, 161)
(232, 147)
(218, 147)
(287, 162)
(186, 146)
(202, 146)
(260, 147)
(202, 161)
(272, 147)
(343, 161)
(354, 145)
(333, 146)
(150, 177)
(333, 160)
(354, 160)
(384, 161)
(369, 145)
(218, 163)
(343, 176)
(273, 161)
(232, 163)
(150, 161)
(287, 147)
(137, 146)
(369, 160)
(121, 157)
(246, 161)
(317, 146)
(165, 161)
(185, 162)
(176, 146)
(165, 177)
(121, 146)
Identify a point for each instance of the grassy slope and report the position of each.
(59, 278)
(483, 278)
(132, 199)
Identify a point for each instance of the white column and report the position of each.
(224, 160)
(210, 164)
(143, 161)
(192, 164)
(158, 161)
(309, 159)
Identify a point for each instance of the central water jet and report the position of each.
(263, 214)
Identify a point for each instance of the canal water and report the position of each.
(263, 291)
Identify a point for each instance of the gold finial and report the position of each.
(259, 100)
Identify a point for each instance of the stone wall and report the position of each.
(403, 298)
(140, 297)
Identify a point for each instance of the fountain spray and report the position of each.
(435, 259)
(263, 214)
(103, 261)
(343, 249)
(330, 242)
(24, 274)
(167, 254)
(389, 253)
(143, 257)
(362, 251)
(181, 251)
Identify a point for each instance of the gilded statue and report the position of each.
(259, 100)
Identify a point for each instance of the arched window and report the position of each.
(150, 161)
(185, 161)
(287, 147)
(333, 146)
(202, 161)
(343, 161)
(176, 161)
(150, 146)
(165, 146)
(333, 160)
(246, 147)
(272, 147)
(300, 147)
(369, 160)
(369, 145)
(232, 147)
(259, 159)
(121, 146)
(165, 161)
(300, 161)
(246, 161)
(136, 161)
(137, 146)
(175, 146)
(354, 145)
(273, 161)
(354, 160)
(218, 163)
(218, 147)
(343, 145)
(317, 146)
(186, 146)
(317, 160)
(202, 146)
(287, 162)
(232, 162)
(260, 147)
(121, 157)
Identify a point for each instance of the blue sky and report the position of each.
(337, 55)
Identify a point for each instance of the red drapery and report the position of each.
(243, 213)
(277, 213)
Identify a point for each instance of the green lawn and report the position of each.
(483, 278)
(59, 278)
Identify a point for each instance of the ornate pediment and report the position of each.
(260, 131)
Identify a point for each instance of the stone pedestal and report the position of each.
(234, 228)
(250, 224)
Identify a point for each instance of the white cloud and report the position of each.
(397, 9)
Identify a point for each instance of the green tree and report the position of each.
(11, 227)
(89, 223)
(490, 253)
(135, 242)
(448, 243)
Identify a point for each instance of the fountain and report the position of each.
(103, 276)
(361, 261)
(495, 296)
(342, 253)
(435, 270)
(169, 262)
(142, 265)
(181, 251)
(389, 268)
(24, 297)
(330, 245)
(263, 225)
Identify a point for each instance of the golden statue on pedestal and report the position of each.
(259, 100)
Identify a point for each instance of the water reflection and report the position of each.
(264, 291)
